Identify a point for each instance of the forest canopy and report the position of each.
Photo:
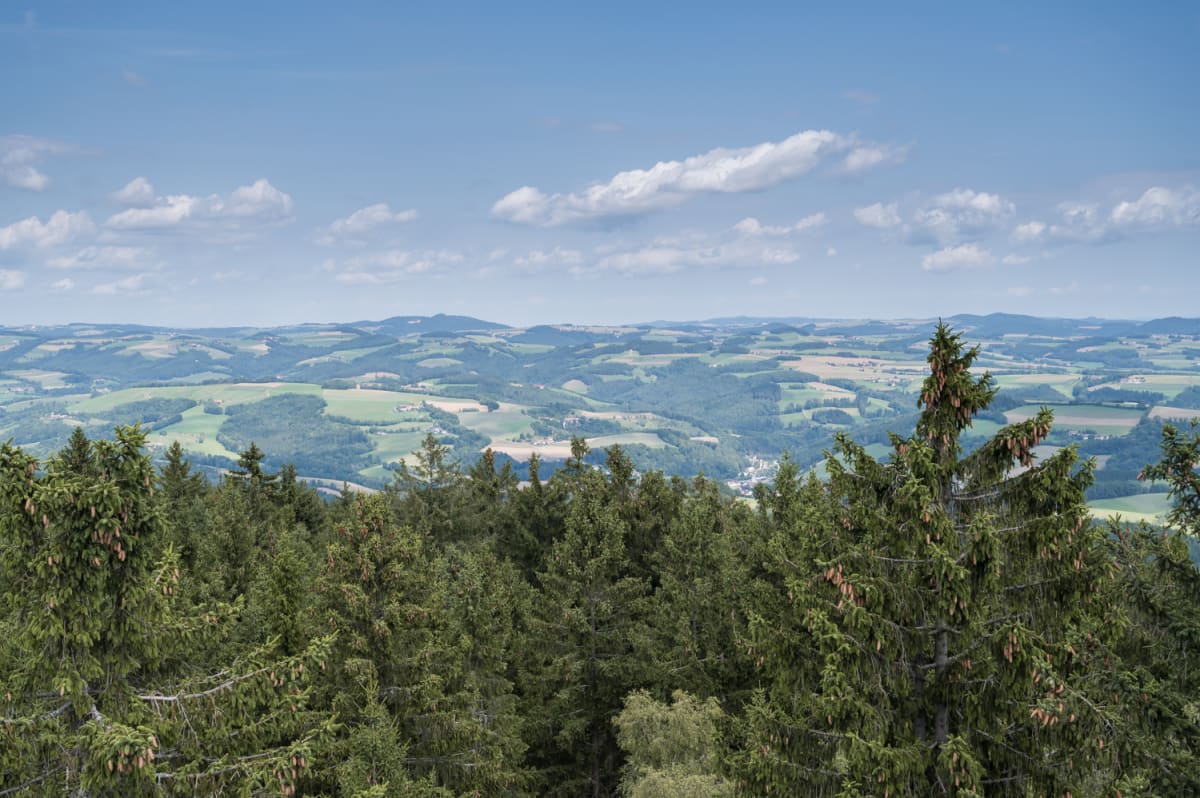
(944, 620)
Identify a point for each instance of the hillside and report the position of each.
(722, 396)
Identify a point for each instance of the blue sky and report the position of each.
(269, 163)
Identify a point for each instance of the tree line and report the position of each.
(941, 622)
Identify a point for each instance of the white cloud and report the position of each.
(753, 227)
(60, 228)
(862, 158)
(950, 258)
(757, 281)
(976, 201)
(539, 259)
(831, 252)
(259, 199)
(667, 257)
(671, 183)
(137, 193)
(1029, 231)
(166, 212)
(1020, 290)
(364, 220)
(134, 79)
(961, 212)
(100, 256)
(1015, 260)
(878, 215)
(65, 284)
(1159, 207)
(18, 156)
(133, 285)
(257, 203)
(526, 205)
(11, 279)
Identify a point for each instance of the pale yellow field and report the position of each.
(1181, 413)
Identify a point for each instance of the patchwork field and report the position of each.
(727, 397)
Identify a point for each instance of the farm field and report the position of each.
(1100, 419)
(1149, 507)
(717, 396)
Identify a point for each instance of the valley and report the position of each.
(727, 397)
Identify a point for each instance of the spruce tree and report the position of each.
(931, 621)
(101, 694)
(588, 615)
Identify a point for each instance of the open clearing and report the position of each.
(197, 432)
(1063, 383)
(1149, 507)
(49, 380)
(1100, 419)
(225, 393)
(1167, 384)
(500, 425)
(561, 450)
(829, 367)
(1181, 413)
(370, 404)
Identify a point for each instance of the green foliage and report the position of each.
(101, 695)
(945, 620)
(296, 424)
(672, 750)
(588, 616)
(931, 620)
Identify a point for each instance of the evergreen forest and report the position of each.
(933, 619)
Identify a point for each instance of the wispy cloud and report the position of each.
(861, 96)
(134, 79)
(391, 266)
(364, 220)
(97, 257)
(11, 279)
(668, 257)
(137, 193)
(133, 285)
(878, 215)
(671, 183)
(1157, 209)
(959, 257)
(753, 227)
(19, 156)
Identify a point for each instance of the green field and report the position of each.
(1148, 507)
(504, 424)
(1167, 384)
(1063, 383)
(371, 405)
(48, 380)
(197, 432)
(224, 393)
(648, 439)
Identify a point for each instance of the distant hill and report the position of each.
(715, 396)
(405, 325)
